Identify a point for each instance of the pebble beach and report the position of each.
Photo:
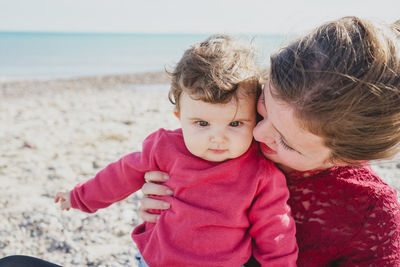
(56, 133)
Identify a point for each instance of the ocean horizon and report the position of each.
(42, 55)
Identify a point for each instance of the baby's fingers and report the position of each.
(58, 197)
(63, 198)
(65, 205)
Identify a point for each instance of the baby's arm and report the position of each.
(64, 199)
(112, 184)
(272, 226)
(115, 182)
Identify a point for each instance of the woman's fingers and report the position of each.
(147, 203)
(151, 188)
(148, 217)
(156, 176)
(150, 203)
(156, 189)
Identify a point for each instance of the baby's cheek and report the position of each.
(196, 147)
(244, 141)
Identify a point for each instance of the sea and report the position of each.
(38, 55)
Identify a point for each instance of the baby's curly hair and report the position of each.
(211, 71)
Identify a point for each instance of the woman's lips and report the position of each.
(266, 149)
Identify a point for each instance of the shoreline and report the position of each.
(32, 86)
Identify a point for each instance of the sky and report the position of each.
(186, 16)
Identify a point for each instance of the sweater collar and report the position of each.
(295, 175)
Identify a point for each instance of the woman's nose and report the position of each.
(263, 132)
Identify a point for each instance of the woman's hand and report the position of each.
(152, 188)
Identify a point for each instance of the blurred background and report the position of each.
(82, 83)
(45, 39)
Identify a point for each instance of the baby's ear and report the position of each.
(176, 113)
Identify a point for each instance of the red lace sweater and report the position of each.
(345, 216)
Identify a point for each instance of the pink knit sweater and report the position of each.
(220, 213)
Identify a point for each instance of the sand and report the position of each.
(57, 133)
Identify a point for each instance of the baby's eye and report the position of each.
(234, 123)
(202, 123)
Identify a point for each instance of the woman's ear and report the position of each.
(339, 163)
(331, 161)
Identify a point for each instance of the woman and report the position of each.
(331, 104)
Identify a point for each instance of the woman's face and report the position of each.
(284, 141)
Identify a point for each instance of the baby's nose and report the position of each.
(218, 137)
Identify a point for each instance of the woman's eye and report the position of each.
(234, 123)
(202, 123)
(285, 146)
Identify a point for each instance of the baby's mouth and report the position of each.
(218, 151)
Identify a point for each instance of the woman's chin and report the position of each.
(284, 168)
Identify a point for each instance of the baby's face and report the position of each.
(217, 132)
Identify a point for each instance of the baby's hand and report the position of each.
(63, 197)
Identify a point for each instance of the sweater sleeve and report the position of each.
(118, 180)
(272, 226)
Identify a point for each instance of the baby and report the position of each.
(229, 201)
